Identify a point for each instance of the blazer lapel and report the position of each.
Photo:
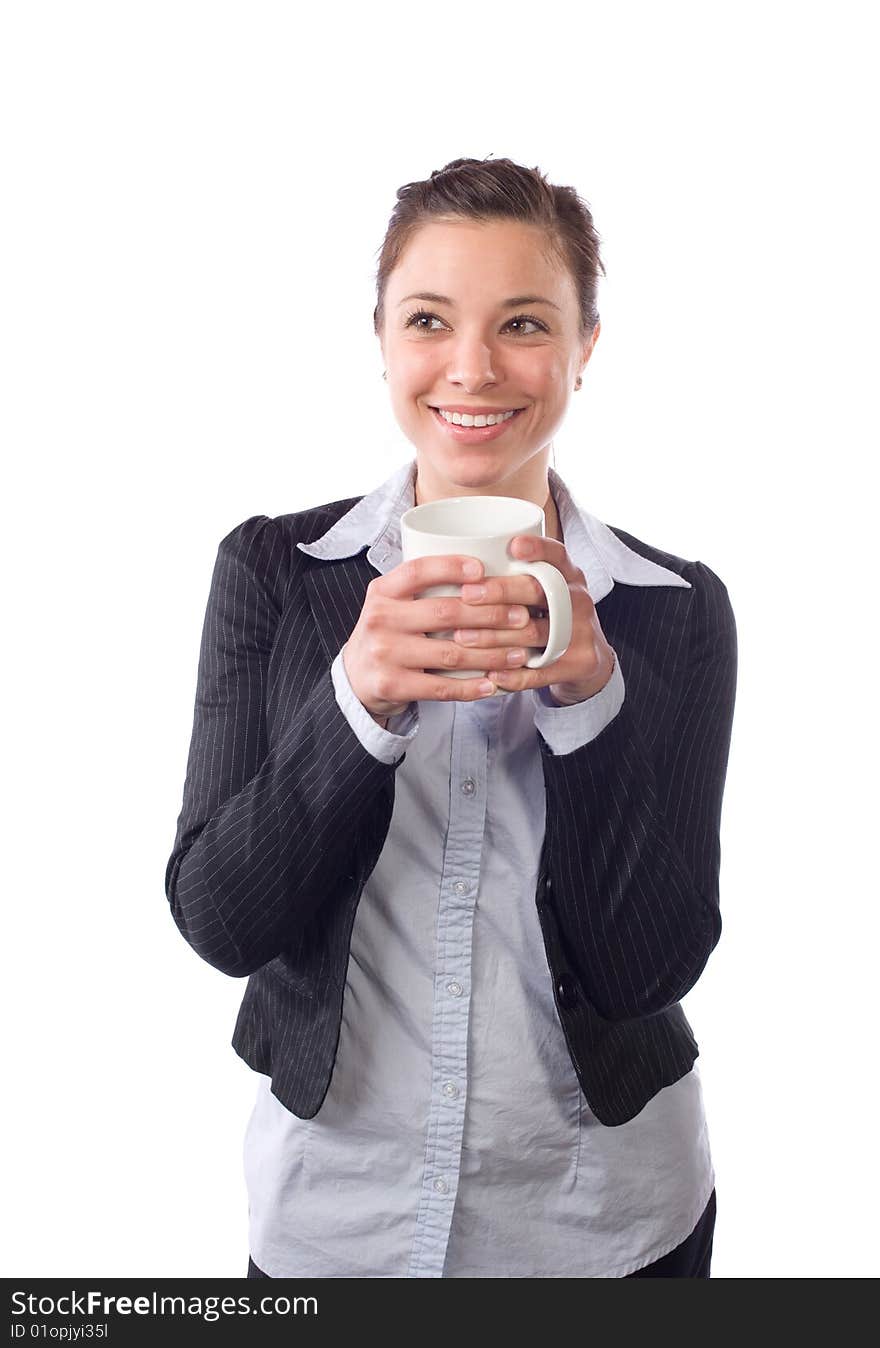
(336, 592)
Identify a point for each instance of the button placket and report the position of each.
(459, 892)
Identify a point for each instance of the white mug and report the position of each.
(483, 526)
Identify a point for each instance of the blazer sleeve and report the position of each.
(265, 833)
(634, 834)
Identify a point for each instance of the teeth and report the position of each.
(464, 419)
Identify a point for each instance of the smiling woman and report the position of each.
(468, 921)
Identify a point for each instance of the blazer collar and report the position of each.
(374, 522)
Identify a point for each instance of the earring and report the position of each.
(578, 384)
(384, 374)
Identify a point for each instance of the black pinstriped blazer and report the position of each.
(285, 814)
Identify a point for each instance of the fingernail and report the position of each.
(513, 657)
(472, 568)
(516, 615)
(473, 592)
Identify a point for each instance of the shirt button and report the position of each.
(461, 887)
(454, 988)
(468, 786)
(441, 1186)
(450, 1089)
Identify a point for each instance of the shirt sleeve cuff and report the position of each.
(566, 728)
(387, 745)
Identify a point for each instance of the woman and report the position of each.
(467, 920)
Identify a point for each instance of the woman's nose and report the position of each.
(473, 365)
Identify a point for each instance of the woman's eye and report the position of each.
(523, 318)
(414, 321)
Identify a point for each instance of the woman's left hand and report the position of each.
(587, 664)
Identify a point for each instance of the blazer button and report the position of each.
(566, 993)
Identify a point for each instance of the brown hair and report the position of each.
(498, 189)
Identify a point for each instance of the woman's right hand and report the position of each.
(387, 653)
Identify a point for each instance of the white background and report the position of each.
(195, 195)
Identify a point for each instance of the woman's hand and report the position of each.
(387, 653)
(582, 670)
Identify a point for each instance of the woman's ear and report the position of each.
(588, 349)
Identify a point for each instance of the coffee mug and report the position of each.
(483, 526)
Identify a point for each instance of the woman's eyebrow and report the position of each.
(505, 304)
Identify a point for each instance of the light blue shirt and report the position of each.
(454, 1140)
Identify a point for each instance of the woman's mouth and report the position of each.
(471, 435)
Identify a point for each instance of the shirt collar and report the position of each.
(374, 522)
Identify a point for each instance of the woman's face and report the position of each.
(476, 350)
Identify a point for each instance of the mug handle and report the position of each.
(556, 589)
